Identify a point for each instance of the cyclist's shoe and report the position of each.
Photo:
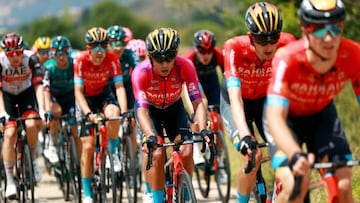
(51, 154)
(147, 197)
(222, 176)
(88, 200)
(117, 164)
(198, 159)
(37, 171)
(11, 192)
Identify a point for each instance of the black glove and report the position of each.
(247, 142)
(295, 157)
(151, 141)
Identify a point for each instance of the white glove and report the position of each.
(4, 115)
(42, 114)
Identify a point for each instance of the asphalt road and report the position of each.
(47, 190)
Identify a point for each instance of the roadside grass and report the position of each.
(349, 113)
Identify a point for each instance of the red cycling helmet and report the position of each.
(137, 45)
(204, 39)
(12, 41)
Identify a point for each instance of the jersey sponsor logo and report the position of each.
(16, 74)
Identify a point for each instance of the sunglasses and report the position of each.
(115, 44)
(204, 51)
(16, 52)
(99, 47)
(43, 51)
(264, 40)
(61, 53)
(320, 31)
(162, 58)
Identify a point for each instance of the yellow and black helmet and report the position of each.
(96, 35)
(321, 11)
(42, 42)
(263, 19)
(162, 41)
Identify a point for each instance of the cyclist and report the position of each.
(128, 34)
(59, 91)
(157, 84)
(308, 74)
(21, 84)
(42, 48)
(92, 70)
(206, 57)
(247, 73)
(139, 46)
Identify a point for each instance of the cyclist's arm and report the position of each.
(145, 121)
(2, 103)
(47, 95)
(237, 110)
(37, 80)
(80, 98)
(121, 96)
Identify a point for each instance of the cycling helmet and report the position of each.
(204, 39)
(60, 43)
(137, 45)
(12, 41)
(128, 34)
(96, 35)
(42, 42)
(321, 11)
(162, 41)
(116, 33)
(263, 19)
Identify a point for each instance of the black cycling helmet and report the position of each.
(12, 41)
(263, 19)
(204, 39)
(321, 11)
(96, 35)
(162, 41)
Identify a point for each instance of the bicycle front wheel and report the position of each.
(202, 172)
(107, 178)
(73, 165)
(185, 191)
(222, 173)
(128, 161)
(27, 181)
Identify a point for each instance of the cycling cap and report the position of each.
(204, 39)
(12, 41)
(137, 45)
(116, 33)
(42, 42)
(128, 34)
(96, 35)
(263, 18)
(162, 41)
(60, 43)
(321, 11)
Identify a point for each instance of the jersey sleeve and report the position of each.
(188, 73)
(115, 69)
(37, 72)
(139, 80)
(355, 66)
(230, 53)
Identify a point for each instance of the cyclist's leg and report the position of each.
(330, 135)
(50, 152)
(87, 155)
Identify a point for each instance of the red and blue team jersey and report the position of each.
(94, 78)
(151, 89)
(297, 86)
(244, 69)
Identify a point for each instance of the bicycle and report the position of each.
(128, 160)
(104, 183)
(221, 162)
(24, 171)
(67, 170)
(178, 187)
(328, 180)
(2, 175)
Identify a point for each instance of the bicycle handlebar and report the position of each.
(323, 165)
(251, 163)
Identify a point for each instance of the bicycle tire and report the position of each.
(2, 175)
(27, 178)
(223, 189)
(107, 179)
(74, 169)
(138, 162)
(185, 190)
(63, 172)
(129, 169)
(203, 178)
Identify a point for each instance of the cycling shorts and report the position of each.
(322, 133)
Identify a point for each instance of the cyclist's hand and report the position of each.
(247, 144)
(208, 136)
(92, 117)
(42, 114)
(150, 142)
(4, 116)
(301, 163)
